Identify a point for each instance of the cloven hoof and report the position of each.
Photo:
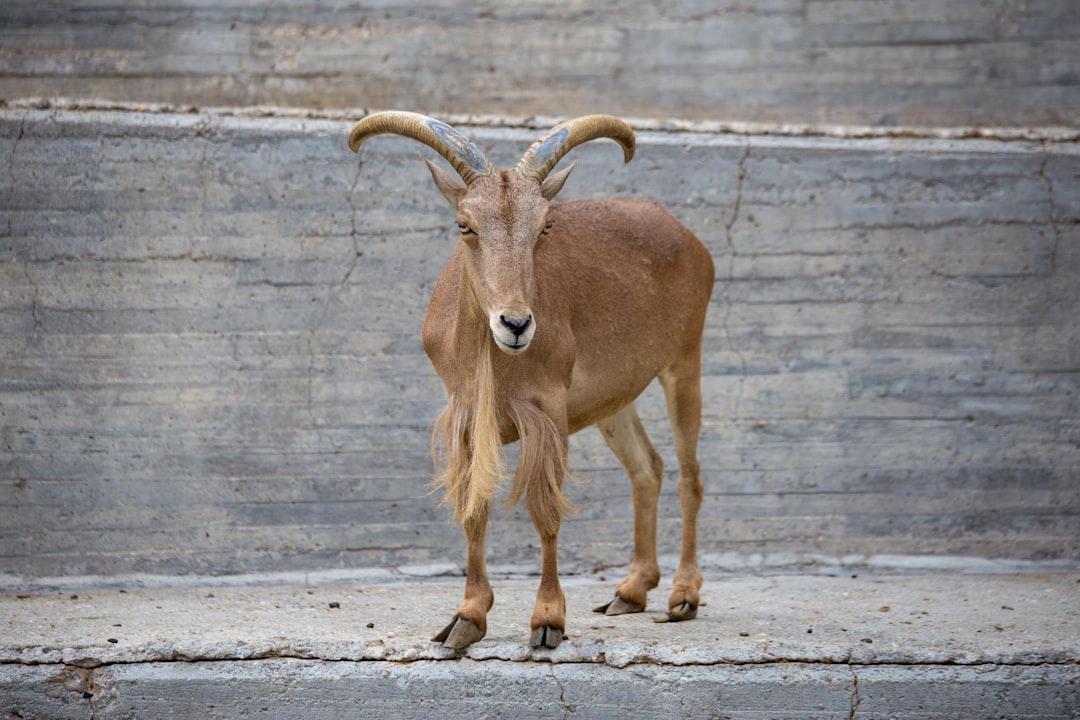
(459, 634)
(682, 611)
(547, 636)
(618, 606)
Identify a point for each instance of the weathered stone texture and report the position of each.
(210, 357)
(499, 689)
(922, 62)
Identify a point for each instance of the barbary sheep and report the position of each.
(549, 318)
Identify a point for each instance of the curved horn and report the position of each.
(466, 158)
(546, 152)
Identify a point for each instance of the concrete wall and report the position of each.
(210, 357)
(863, 62)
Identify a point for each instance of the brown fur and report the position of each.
(604, 297)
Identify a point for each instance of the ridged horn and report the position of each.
(467, 159)
(545, 153)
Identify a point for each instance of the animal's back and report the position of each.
(635, 284)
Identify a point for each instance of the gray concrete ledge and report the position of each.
(499, 689)
(1046, 133)
(851, 645)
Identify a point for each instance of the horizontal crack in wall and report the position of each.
(446, 655)
(1057, 134)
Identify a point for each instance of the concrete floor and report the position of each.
(841, 644)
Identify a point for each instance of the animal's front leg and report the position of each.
(549, 614)
(542, 465)
(470, 620)
(546, 504)
(541, 469)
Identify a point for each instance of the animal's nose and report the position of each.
(516, 325)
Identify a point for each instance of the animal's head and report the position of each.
(501, 215)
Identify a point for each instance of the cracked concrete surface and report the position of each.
(1052, 218)
(732, 254)
(841, 645)
(191, 319)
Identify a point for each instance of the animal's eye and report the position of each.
(547, 227)
(465, 229)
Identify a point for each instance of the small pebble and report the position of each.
(335, 605)
(868, 641)
(113, 640)
(370, 625)
(744, 634)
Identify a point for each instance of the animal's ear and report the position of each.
(554, 183)
(446, 183)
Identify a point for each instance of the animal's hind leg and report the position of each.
(682, 388)
(627, 439)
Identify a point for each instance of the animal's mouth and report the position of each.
(515, 348)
